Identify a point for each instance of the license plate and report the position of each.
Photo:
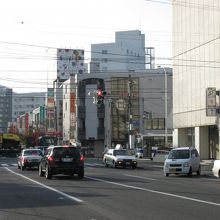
(67, 159)
(127, 163)
(172, 169)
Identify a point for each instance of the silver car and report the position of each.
(119, 158)
(182, 160)
(29, 158)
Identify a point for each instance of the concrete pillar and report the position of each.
(175, 138)
(202, 141)
(180, 137)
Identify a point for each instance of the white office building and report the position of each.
(127, 53)
(196, 65)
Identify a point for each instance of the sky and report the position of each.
(31, 30)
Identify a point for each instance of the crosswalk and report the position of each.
(8, 165)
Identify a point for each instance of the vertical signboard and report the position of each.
(50, 110)
(72, 109)
(211, 101)
(26, 124)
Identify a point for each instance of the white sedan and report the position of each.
(119, 158)
(216, 168)
(29, 158)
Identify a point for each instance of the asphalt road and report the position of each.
(107, 193)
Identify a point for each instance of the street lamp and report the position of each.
(165, 102)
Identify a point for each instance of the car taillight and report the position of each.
(82, 158)
(24, 160)
(50, 159)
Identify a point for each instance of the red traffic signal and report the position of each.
(99, 92)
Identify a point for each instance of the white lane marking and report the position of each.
(155, 191)
(139, 177)
(4, 165)
(94, 164)
(14, 164)
(47, 187)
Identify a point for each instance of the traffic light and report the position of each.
(100, 96)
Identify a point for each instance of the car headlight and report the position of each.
(166, 165)
(186, 164)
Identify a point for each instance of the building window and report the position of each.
(104, 60)
(104, 51)
(104, 69)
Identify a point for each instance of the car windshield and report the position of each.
(121, 153)
(32, 152)
(179, 154)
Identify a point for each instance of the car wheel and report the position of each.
(166, 174)
(219, 173)
(134, 166)
(190, 171)
(48, 173)
(40, 171)
(81, 174)
(114, 164)
(198, 171)
(106, 163)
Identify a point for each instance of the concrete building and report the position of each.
(26, 102)
(69, 63)
(196, 53)
(5, 108)
(127, 53)
(97, 125)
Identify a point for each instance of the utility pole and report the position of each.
(129, 112)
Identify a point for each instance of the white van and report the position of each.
(182, 160)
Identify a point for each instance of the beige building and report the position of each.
(196, 67)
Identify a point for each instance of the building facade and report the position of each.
(26, 102)
(196, 52)
(5, 108)
(142, 114)
(127, 53)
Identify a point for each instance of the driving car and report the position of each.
(182, 160)
(119, 158)
(29, 158)
(42, 148)
(216, 168)
(65, 159)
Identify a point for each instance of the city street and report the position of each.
(107, 193)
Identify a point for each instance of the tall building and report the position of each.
(127, 53)
(5, 108)
(26, 102)
(196, 53)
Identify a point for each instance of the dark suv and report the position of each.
(62, 160)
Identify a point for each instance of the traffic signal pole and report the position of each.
(129, 113)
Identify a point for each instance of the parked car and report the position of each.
(29, 158)
(66, 160)
(139, 152)
(182, 160)
(119, 158)
(160, 155)
(216, 168)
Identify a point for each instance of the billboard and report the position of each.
(69, 62)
